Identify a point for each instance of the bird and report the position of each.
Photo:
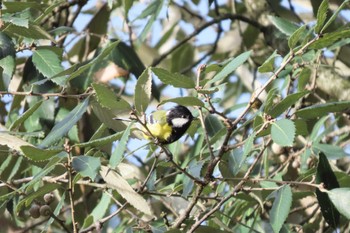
(168, 126)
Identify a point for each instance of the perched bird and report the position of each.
(168, 126)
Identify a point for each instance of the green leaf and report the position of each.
(87, 166)
(100, 141)
(99, 211)
(248, 145)
(106, 116)
(174, 79)
(7, 47)
(25, 115)
(182, 57)
(296, 36)
(212, 125)
(48, 64)
(230, 67)
(331, 151)
(334, 15)
(105, 52)
(328, 39)
(268, 65)
(287, 102)
(18, 21)
(33, 31)
(143, 90)
(283, 25)
(8, 65)
(235, 161)
(125, 57)
(194, 168)
(37, 154)
(153, 10)
(62, 127)
(186, 101)
(303, 79)
(283, 132)
(281, 207)
(320, 110)
(108, 99)
(118, 183)
(270, 99)
(321, 16)
(118, 153)
(340, 199)
(326, 176)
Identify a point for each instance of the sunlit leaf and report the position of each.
(283, 132)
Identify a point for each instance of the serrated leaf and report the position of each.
(328, 39)
(99, 211)
(235, 161)
(25, 202)
(186, 101)
(230, 67)
(212, 125)
(320, 110)
(37, 154)
(25, 115)
(334, 15)
(321, 16)
(12, 142)
(281, 207)
(283, 25)
(283, 132)
(18, 21)
(118, 153)
(270, 99)
(340, 199)
(100, 141)
(287, 102)
(268, 65)
(48, 64)
(143, 90)
(62, 127)
(326, 176)
(303, 79)
(86, 166)
(331, 151)
(118, 183)
(108, 99)
(105, 52)
(33, 31)
(194, 168)
(248, 145)
(174, 79)
(8, 65)
(106, 116)
(296, 36)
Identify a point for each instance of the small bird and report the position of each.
(169, 126)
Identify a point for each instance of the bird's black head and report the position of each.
(179, 118)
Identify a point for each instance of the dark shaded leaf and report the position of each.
(326, 176)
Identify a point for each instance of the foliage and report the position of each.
(268, 85)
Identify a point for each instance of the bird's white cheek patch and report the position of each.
(179, 122)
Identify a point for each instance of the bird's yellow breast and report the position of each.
(161, 131)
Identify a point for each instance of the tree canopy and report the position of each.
(268, 85)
